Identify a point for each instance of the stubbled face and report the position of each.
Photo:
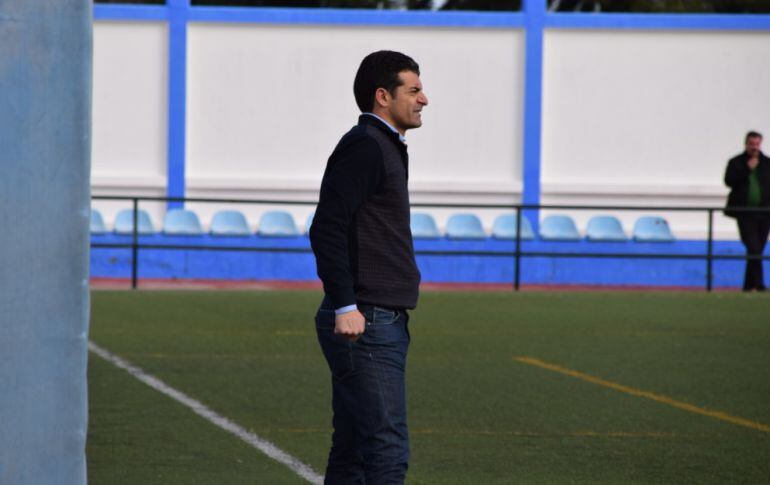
(753, 144)
(405, 107)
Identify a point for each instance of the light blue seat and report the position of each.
(464, 226)
(504, 227)
(277, 224)
(182, 222)
(652, 228)
(605, 228)
(229, 223)
(423, 226)
(97, 222)
(309, 222)
(558, 227)
(124, 222)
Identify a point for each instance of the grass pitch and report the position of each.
(477, 415)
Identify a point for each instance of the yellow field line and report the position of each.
(646, 394)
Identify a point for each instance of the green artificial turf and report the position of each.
(138, 436)
(476, 414)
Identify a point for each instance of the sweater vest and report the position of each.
(385, 269)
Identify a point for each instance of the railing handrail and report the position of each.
(666, 208)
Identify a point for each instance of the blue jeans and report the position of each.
(370, 443)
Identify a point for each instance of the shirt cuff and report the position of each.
(345, 309)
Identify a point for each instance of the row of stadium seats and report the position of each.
(552, 228)
(459, 226)
(183, 222)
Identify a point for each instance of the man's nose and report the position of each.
(422, 99)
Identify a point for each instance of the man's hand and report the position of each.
(753, 162)
(350, 325)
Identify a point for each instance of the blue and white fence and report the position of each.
(526, 107)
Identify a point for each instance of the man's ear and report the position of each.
(382, 97)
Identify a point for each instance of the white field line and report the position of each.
(222, 422)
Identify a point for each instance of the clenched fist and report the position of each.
(350, 325)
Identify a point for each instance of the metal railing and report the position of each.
(517, 254)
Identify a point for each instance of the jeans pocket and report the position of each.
(381, 316)
(338, 352)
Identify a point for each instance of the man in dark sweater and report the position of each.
(365, 257)
(748, 176)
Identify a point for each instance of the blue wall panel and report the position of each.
(300, 266)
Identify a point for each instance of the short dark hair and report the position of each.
(380, 70)
(752, 134)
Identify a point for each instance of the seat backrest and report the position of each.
(504, 227)
(182, 222)
(423, 226)
(559, 227)
(652, 228)
(277, 224)
(309, 222)
(229, 223)
(464, 226)
(97, 223)
(124, 222)
(605, 228)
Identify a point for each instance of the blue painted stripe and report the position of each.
(438, 19)
(177, 99)
(329, 16)
(657, 21)
(533, 104)
(130, 12)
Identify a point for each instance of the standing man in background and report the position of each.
(365, 258)
(748, 176)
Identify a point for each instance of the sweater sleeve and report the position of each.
(353, 173)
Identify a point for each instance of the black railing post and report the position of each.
(710, 250)
(517, 271)
(135, 244)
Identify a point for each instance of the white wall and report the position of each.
(129, 112)
(629, 117)
(650, 118)
(267, 104)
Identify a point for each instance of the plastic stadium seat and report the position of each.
(423, 226)
(464, 226)
(504, 227)
(124, 222)
(558, 227)
(229, 223)
(182, 222)
(277, 224)
(652, 228)
(605, 228)
(309, 222)
(97, 223)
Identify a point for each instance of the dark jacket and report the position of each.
(737, 178)
(360, 232)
